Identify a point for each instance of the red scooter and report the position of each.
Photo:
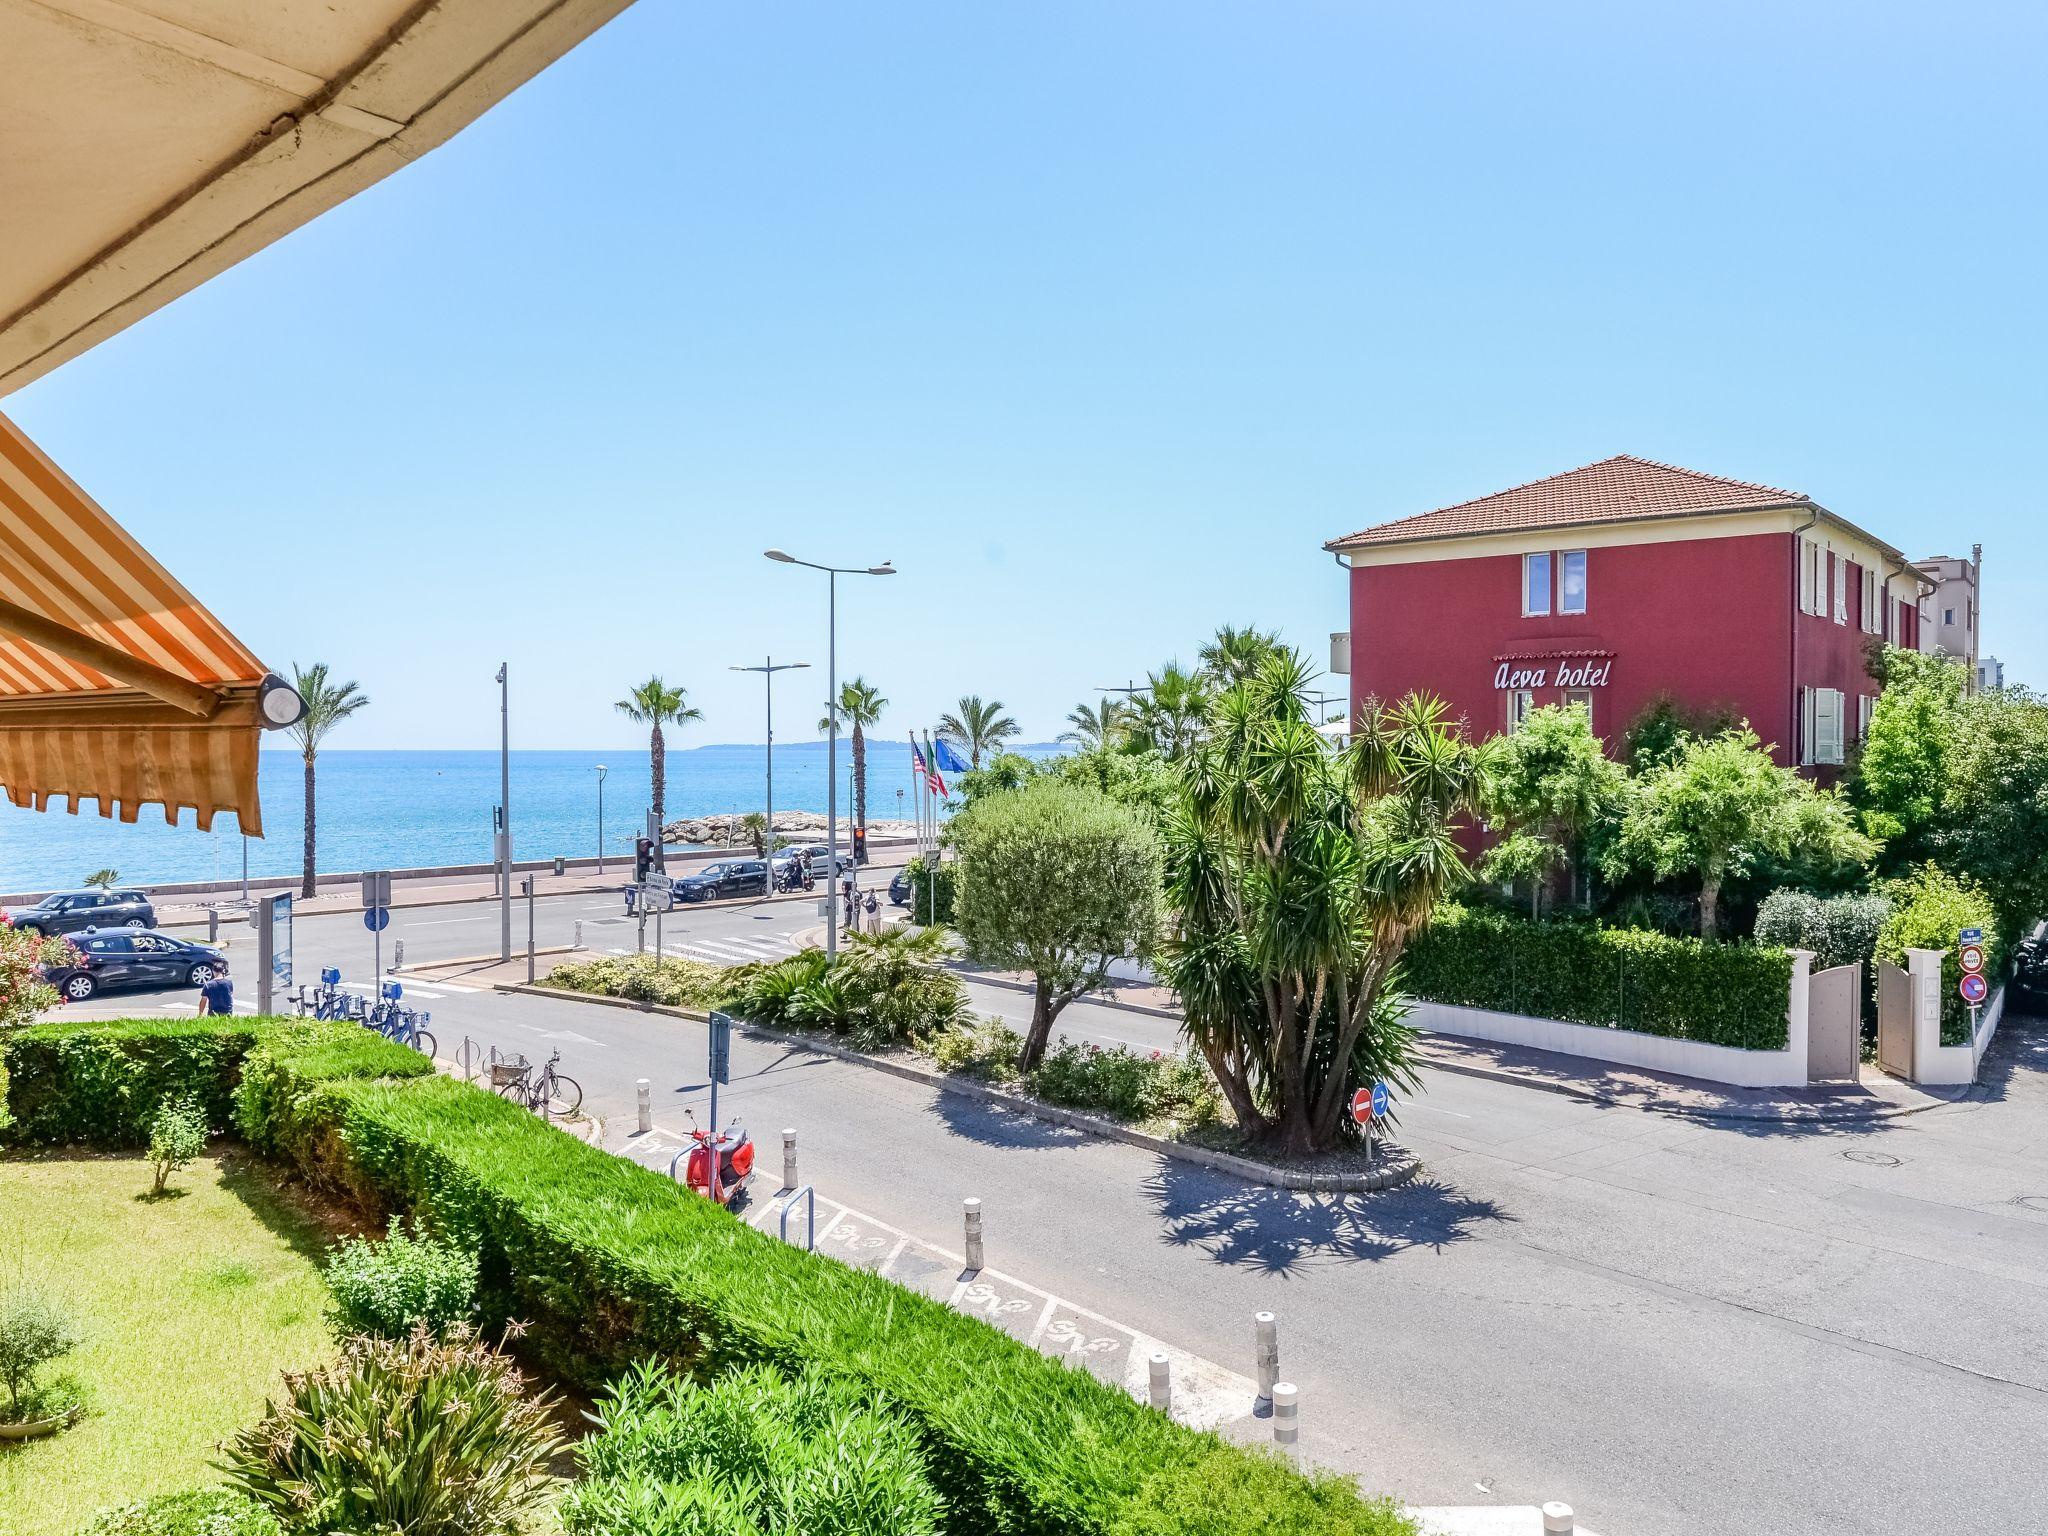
(718, 1177)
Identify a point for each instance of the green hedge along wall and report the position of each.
(1619, 978)
(608, 1263)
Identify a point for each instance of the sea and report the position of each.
(399, 810)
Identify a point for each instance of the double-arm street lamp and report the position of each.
(601, 772)
(832, 575)
(768, 668)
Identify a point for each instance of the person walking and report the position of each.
(217, 996)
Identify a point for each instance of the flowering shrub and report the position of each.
(1123, 1083)
(23, 954)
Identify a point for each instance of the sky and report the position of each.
(1097, 319)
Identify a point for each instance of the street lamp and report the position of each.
(832, 575)
(504, 812)
(601, 772)
(769, 667)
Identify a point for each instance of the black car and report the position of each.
(899, 887)
(728, 877)
(76, 911)
(128, 957)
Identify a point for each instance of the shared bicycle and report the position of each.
(548, 1092)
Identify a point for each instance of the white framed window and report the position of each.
(1820, 732)
(1809, 576)
(1873, 613)
(1535, 585)
(1571, 581)
(1892, 606)
(1521, 704)
(1841, 590)
(1582, 696)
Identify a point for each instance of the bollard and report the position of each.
(971, 1209)
(789, 1157)
(213, 925)
(1557, 1519)
(1160, 1371)
(1266, 1350)
(579, 933)
(644, 1091)
(1286, 1416)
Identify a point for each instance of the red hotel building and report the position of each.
(1624, 580)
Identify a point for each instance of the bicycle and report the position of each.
(547, 1094)
(405, 1027)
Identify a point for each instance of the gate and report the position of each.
(1834, 1024)
(1894, 1020)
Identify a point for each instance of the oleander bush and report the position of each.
(405, 1282)
(670, 981)
(1733, 994)
(754, 1453)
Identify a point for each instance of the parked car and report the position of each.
(2029, 984)
(75, 911)
(130, 957)
(899, 887)
(728, 877)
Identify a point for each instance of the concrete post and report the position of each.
(789, 1157)
(644, 1091)
(1266, 1350)
(1286, 1416)
(1159, 1372)
(1924, 968)
(1557, 1519)
(971, 1211)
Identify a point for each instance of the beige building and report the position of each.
(1950, 615)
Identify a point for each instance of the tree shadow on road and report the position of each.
(1279, 1231)
(996, 1126)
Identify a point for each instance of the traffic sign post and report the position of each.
(376, 918)
(720, 1066)
(1368, 1107)
(1973, 987)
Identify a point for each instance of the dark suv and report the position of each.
(127, 957)
(76, 911)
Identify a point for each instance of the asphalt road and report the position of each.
(1673, 1326)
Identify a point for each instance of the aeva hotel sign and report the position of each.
(1554, 672)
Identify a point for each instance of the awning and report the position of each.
(116, 685)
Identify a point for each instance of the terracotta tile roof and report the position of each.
(1617, 490)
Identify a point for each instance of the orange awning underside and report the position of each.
(69, 730)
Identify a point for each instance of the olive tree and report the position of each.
(1057, 880)
(1298, 874)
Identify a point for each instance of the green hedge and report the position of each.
(1619, 978)
(921, 875)
(609, 1263)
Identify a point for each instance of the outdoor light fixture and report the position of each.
(278, 702)
(783, 555)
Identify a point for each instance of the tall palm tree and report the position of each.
(978, 727)
(1093, 726)
(328, 703)
(1173, 711)
(860, 705)
(1235, 654)
(655, 704)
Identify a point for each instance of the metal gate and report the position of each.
(1894, 1020)
(1833, 1005)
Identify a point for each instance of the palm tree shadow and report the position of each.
(1279, 1231)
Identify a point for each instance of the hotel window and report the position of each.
(1571, 581)
(1820, 725)
(1521, 704)
(1582, 696)
(1811, 566)
(1841, 590)
(1535, 585)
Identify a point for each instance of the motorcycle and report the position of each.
(720, 1177)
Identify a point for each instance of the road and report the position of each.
(1672, 1325)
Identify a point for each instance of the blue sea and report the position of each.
(396, 810)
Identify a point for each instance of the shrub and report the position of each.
(754, 1452)
(177, 1135)
(390, 1288)
(1620, 978)
(670, 982)
(195, 1512)
(884, 989)
(1254, 1493)
(1840, 930)
(1123, 1083)
(102, 1082)
(432, 1437)
(921, 875)
(1929, 908)
(987, 1049)
(34, 1332)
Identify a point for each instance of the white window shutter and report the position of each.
(1806, 754)
(1841, 590)
(1806, 576)
(1827, 725)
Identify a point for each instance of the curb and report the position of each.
(1401, 1167)
(1024, 986)
(433, 965)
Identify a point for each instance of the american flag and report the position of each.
(932, 781)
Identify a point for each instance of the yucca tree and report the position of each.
(1297, 877)
(328, 703)
(1169, 716)
(1235, 654)
(860, 706)
(655, 704)
(977, 727)
(1093, 726)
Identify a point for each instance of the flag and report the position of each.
(947, 758)
(932, 780)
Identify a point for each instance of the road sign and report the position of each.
(1972, 957)
(377, 919)
(721, 1048)
(1970, 936)
(1382, 1101)
(654, 899)
(1361, 1106)
(377, 888)
(1974, 988)
(657, 881)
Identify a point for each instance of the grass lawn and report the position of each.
(191, 1306)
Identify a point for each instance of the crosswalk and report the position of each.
(732, 949)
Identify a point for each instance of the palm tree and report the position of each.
(1235, 654)
(655, 704)
(860, 705)
(1096, 726)
(327, 705)
(1172, 712)
(104, 879)
(978, 727)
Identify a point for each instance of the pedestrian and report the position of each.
(850, 895)
(874, 911)
(217, 995)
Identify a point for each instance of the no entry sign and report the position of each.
(1361, 1106)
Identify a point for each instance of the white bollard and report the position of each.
(645, 1092)
(1266, 1350)
(1160, 1373)
(789, 1157)
(1557, 1519)
(1286, 1416)
(971, 1210)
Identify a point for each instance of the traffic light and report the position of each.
(860, 845)
(643, 857)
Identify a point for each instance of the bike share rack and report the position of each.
(809, 1195)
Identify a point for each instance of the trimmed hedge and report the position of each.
(609, 1263)
(1617, 978)
(921, 875)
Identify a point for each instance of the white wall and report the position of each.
(1935, 1064)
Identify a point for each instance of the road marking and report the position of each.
(1411, 1104)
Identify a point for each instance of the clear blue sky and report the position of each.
(1097, 318)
